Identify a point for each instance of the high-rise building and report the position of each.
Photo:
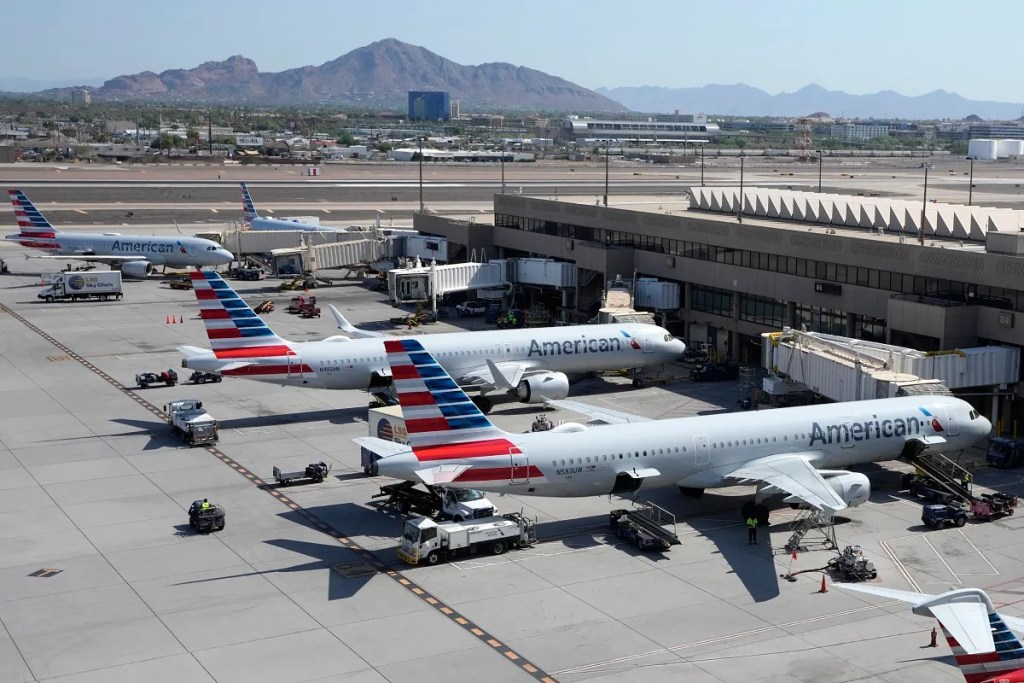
(429, 105)
(453, 113)
(81, 97)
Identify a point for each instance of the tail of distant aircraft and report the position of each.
(248, 208)
(985, 648)
(234, 329)
(33, 228)
(439, 416)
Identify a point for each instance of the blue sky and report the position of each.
(864, 46)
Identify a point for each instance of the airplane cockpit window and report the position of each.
(975, 415)
(668, 337)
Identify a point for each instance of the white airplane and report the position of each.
(793, 451)
(135, 255)
(985, 647)
(530, 363)
(257, 222)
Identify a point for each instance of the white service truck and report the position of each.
(426, 541)
(100, 285)
(385, 423)
(456, 504)
(191, 422)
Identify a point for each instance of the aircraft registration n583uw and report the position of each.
(793, 451)
(530, 363)
(135, 255)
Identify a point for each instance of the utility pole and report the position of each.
(970, 184)
(503, 169)
(821, 156)
(924, 205)
(702, 165)
(739, 214)
(209, 132)
(607, 151)
(421, 173)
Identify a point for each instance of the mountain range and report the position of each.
(378, 75)
(744, 100)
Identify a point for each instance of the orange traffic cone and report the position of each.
(794, 555)
(935, 638)
(167, 320)
(824, 588)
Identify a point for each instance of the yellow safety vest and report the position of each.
(752, 522)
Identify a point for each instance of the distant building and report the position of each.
(997, 129)
(858, 131)
(81, 97)
(585, 129)
(453, 112)
(429, 105)
(488, 120)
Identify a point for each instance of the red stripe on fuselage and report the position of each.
(394, 346)
(471, 449)
(253, 352)
(476, 474)
(268, 370)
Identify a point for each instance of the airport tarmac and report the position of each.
(101, 580)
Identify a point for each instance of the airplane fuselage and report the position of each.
(284, 224)
(342, 363)
(161, 251)
(697, 452)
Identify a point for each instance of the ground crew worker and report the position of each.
(751, 530)
(205, 505)
(965, 480)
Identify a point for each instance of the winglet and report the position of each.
(345, 326)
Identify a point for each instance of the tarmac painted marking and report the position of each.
(511, 655)
(995, 572)
(945, 564)
(371, 559)
(900, 566)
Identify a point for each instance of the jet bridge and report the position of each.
(845, 369)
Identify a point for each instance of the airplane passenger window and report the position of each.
(714, 445)
(588, 458)
(774, 439)
(620, 456)
(645, 454)
(785, 438)
(563, 463)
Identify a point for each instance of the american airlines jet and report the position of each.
(257, 222)
(794, 451)
(529, 363)
(135, 255)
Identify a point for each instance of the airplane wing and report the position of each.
(345, 326)
(596, 414)
(793, 474)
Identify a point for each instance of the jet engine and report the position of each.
(137, 269)
(853, 487)
(536, 388)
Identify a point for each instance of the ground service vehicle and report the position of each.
(179, 282)
(851, 565)
(921, 487)
(628, 530)
(189, 419)
(989, 506)
(1005, 452)
(456, 504)
(206, 519)
(167, 377)
(200, 377)
(470, 308)
(426, 541)
(316, 472)
(714, 372)
(938, 516)
(385, 422)
(101, 285)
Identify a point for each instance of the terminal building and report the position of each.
(839, 267)
(577, 129)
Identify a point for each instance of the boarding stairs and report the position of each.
(654, 520)
(812, 529)
(944, 474)
(258, 261)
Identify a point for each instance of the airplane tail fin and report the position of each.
(983, 645)
(32, 224)
(248, 208)
(234, 329)
(437, 412)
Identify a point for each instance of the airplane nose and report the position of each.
(984, 427)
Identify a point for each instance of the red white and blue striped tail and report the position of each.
(32, 225)
(1007, 660)
(436, 411)
(248, 208)
(234, 329)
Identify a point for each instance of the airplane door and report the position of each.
(520, 473)
(648, 344)
(701, 453)
(294, 365)
(952, 423)
(846, 435)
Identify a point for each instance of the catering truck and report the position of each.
(385, 423)
(100, 285)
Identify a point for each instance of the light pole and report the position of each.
(702, 165)
(820, 157)
(503, 169)
(739, 215)
(421, 172)
(970, 184)
(607, 153)
(924, 205)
